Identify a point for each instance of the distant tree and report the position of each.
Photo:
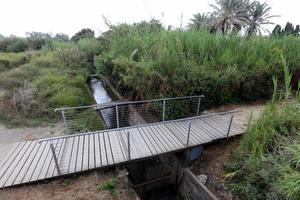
(91, 47)
(38, 40)
(297, 30)
(83, 33)
(13, 44)
(277, 31)
(288, 29)
(199, 21)
(229, 14)
(61, 37)
(259, 16)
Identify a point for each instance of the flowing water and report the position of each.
(102, 96)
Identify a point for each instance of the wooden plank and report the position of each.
(110, 158)
(211, 133)
(79, 158)
(86, 153)
(116, 147)
(52, 167)
(8, 153)
(148, 141)
(160, 145)
(163, 139)
(15, 165)
(11, 158)
(98, 151)
(138, 141)
(173, 139)
(33, 165)
(74, 156)
(103, 150)
(184, 127)
(48, 161)
(20, 176)
(152, 139)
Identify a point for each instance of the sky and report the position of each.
(70, 16)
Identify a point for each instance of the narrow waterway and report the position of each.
(102, 96)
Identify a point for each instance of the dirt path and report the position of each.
(9, 136)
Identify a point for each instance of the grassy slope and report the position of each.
(266, 164)
(33, 86)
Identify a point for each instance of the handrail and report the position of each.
(136, 126)
(112, 104)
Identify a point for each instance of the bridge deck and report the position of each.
(32, 161)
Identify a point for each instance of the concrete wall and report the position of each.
(192, 189)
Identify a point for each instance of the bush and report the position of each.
(12, 60)
(59, 90)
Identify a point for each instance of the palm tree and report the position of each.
(199, 21)
(229, 14)
(259, 15)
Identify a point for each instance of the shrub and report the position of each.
(110, 185)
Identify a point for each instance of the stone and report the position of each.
(202, 178)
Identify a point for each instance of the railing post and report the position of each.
(64, 118)
(55, 158)
(128, 145)
(164, 110)
(230, 123)
(189, 133)
(117, 116)
(198, 107)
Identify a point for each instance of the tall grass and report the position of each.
(267, 162)
(170, 63)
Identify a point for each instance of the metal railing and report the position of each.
(226, 124)
(123, 114)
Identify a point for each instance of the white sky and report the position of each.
(69, 16)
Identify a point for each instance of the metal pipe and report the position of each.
(128, 143)
(117, 116)
(189, 133)
(198, 106)
(230, 123)
(136, 126)
(164, 110)
(65, 121)
(55, 158)
(108, 105)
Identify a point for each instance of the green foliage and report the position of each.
(90, 46)
(110, 185)
(62, 89)
(12, 60)
(175, 63)
(13, 44)
(265, 164)
(83, 33)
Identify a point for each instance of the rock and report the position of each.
(202, 178)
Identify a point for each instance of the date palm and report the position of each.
(199, 21)
(259, 16)
(229, 14)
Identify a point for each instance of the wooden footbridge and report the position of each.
(48, 158)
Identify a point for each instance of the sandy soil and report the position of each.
(9, 136)
(83, 187)
(216, 155)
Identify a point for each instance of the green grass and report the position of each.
(45, 80)
(110, 185)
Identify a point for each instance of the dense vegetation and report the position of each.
(34, 83)
(144, 60)
(266, 164)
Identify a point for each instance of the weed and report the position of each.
(110, 185)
